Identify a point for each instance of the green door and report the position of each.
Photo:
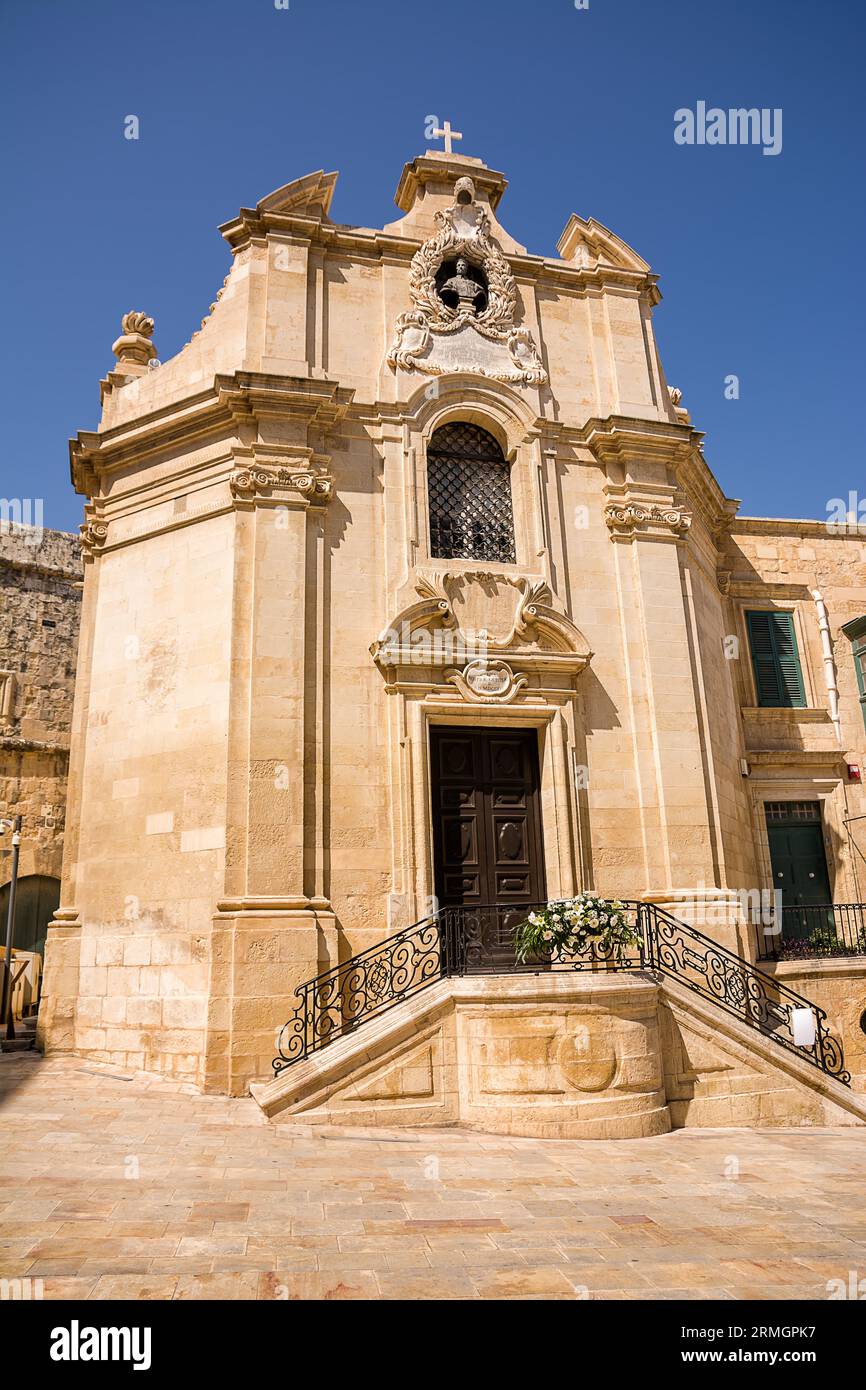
(799, 864)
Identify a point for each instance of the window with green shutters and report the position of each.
(775, 659)
(855, 631)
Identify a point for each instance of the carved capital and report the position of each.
(249, 484)
(625, 520)
(93, 537)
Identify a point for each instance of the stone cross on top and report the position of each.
(448, 134)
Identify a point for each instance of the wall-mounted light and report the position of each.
(803, 1027)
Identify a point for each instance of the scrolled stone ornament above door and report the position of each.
(487, 682)
(464, 304)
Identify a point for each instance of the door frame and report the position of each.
(829, 793)
(563, 821)
(536, 846)
(798, 822)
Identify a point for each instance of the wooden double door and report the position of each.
(488, 857)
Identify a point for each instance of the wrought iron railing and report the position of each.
(363, 987)
(471, 941)
(680, 951)
(801, 933)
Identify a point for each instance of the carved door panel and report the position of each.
(487, 836)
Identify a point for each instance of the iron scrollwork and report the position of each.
(685, 954)
(365, 986)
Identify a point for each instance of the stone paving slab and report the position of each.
(118, 1187)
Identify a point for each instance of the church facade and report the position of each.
(408, 586)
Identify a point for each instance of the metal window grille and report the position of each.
(469, 488)
(792, 810)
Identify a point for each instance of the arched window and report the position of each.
(469, 488)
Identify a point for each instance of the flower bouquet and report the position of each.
(587, 925)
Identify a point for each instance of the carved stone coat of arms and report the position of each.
(465, 303)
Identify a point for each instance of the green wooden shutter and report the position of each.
(860, 668)
(775, 659)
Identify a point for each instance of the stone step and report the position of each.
(559, 1055)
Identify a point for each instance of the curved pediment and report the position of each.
(309, 196)
(591, 244)
(482, 614)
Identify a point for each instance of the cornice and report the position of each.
(620, 440)
(440, 168)
(371, 245)
(794, 757)
(625, 439)
(785, 526)
(766, 589)
(245, 398)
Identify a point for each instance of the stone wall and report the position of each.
(40, 602)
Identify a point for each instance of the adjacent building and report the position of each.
(40, 603)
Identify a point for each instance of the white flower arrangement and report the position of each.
(577, 926)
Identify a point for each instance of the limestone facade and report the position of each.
(268, 636)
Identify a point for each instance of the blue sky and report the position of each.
(757, 254)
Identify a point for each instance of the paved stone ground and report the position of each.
(114, 1187)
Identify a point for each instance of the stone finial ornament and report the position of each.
(134, 343)
(680, 411)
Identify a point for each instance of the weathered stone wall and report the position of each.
(40, 602)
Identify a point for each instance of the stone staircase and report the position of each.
(681, 1033)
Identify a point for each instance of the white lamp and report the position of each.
(803, 1027)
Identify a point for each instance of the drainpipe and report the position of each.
(829, 664)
